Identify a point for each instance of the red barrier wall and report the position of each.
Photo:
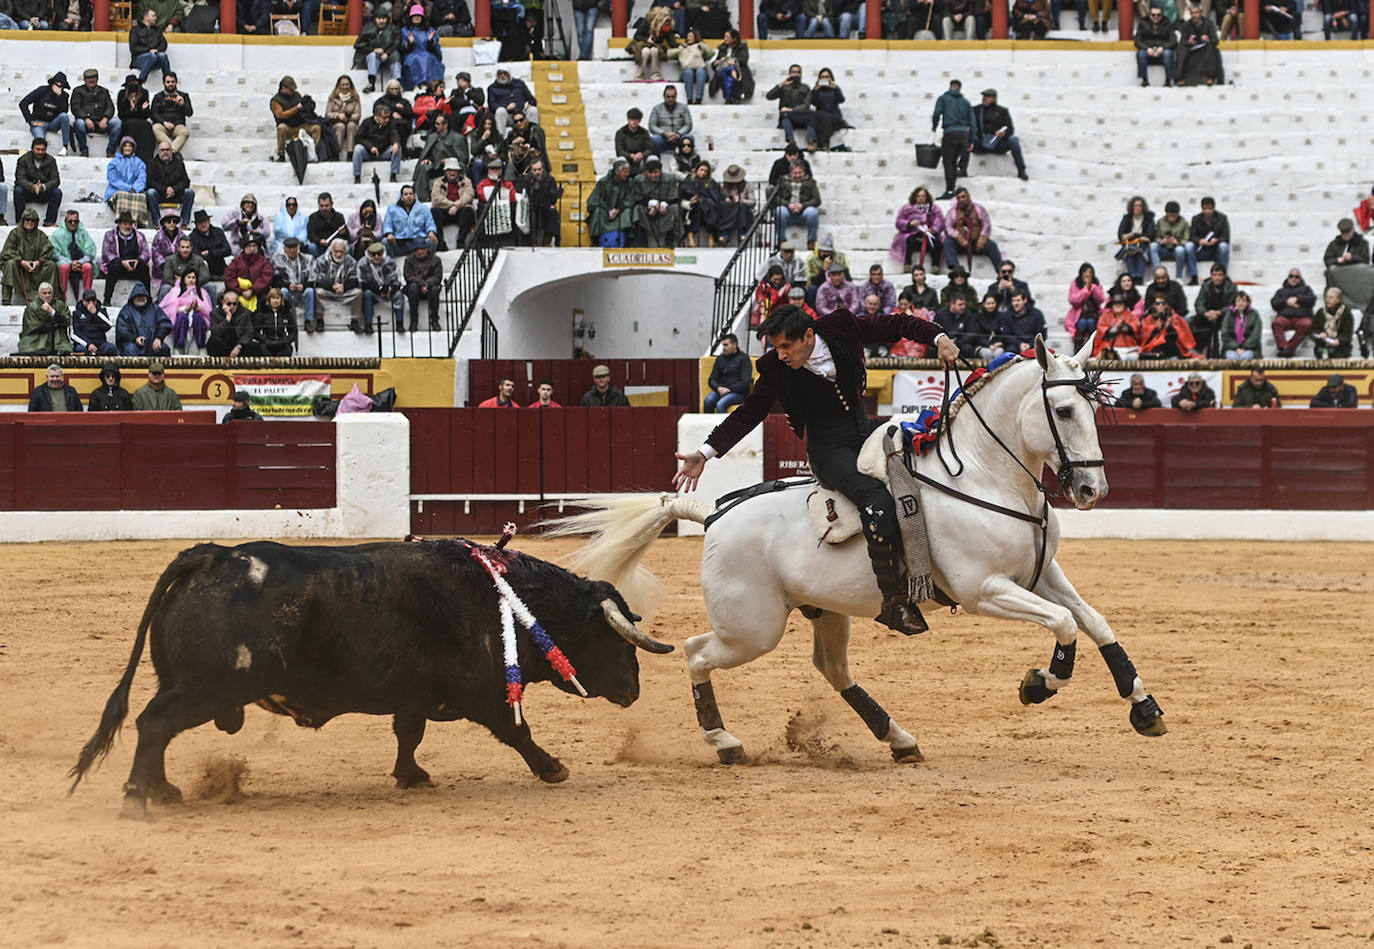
(82, 464)
(531, 452)
(573, 377)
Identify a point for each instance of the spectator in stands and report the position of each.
(274, 323)
(37, 181)
(1155, 42)
(290, 221)
(1281, 18)
(1021, 323)
(110, 396)
(507, 97)
(737, 213)
(818, 265)
(93, 110)
(1139, 396)
(1030, 19)
(773, 291)
(163, 246)
(543, 194)
(977, 337)
(441, 145)
(692, 57)
(669, 121)
(731, 377)
(521, 127)
(343, 111)
(28, 15)
(74, 252)
(504, 397)
(254, 18)
(1199, 60)
(653, 39)
(781, 15)
(155, 395)
(585, 14)
(1340, 14)
(45, 110)
(1333, 326)
(168, 182)
(188, 306)
(791, 155)
(611, 204)
(602, 394)
(879, 284)
(4, 198)
(1007, 283)
(408, 223)
(242, 410)
(1164, 334)
(1348, 247)
(951, 316)
(124, 255)
(171, 111)
(148, 47)
(379, 280)
(1241, 329)
(793, 267)
(658, 205)
(1087, 300)
(733, 78)
(703, 199)
(968, 231)
(56, 395)
(797, 297)
(1171, 290)
(250, 273)
(484, 144)
(519, 156)
(497, 194)
(364, 228)
(141, 328)
(231, 330)
(794, 101)
(126, 178)
(1209, 238)
(994, 134)
(245, 220)
(1292, 304)
(379, 139)
(1257, 392)
(798, 203)
(43, 329)
(422, 61)
(291, 271)
(921, 296)
(453, 200)
(545, 400)
(185, 261)
(1195, 394)
(135, 111)
(1230, 13)
(335, 279)
(431, 103)
(1337, 394)
(1171, 242)
(826, 117)
(210, 244)
(959, 20)
(1118, 331)
(633, 142)
(323, 225)
(838, 293)
(1135, 234)
(402, 113)
(817, 16)
(920, 231)
(424, 278)
(378, 47)
(957, 115)
(289, 110)
(958, 286)
(1214, 298)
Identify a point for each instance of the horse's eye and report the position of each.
(1064, 411)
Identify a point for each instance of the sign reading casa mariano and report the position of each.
(664, 257)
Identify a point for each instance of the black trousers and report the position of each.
(117, 273)
(836, 466)
(953, 148)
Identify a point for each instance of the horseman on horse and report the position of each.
(816, 367)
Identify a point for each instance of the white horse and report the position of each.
(761, 561)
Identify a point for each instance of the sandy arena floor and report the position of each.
(1250, 824)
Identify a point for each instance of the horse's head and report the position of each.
(1065, 425)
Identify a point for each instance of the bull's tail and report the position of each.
(117, 708)
(623, 528)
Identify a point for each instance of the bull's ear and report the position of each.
(1042, 355)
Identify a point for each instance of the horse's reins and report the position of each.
(1086, 385)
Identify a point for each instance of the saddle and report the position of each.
(834, 518)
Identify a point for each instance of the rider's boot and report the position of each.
(899, 613)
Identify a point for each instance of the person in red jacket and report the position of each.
(505, 389)
(249, 274)
(545, 400)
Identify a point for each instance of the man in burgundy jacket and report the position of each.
(816, 367)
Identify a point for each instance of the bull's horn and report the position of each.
(627, 630)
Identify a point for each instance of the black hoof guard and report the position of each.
(1033, 690)
(1147, 717)
(732, 755)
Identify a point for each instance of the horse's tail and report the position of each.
(117, 707)
(622, 528)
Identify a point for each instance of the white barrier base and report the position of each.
(1152, 524)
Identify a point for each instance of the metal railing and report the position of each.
(491, 336)
(468, 277)
(736, 284)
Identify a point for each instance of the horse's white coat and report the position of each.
(761, 562)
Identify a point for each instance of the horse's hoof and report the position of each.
(135, 807)
(165, 793)
(1148, 718)
(554, 775)
(732, 755)
(420, 779)
(1033, 689)
(910, 755)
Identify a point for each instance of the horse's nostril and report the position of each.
(1087, 492)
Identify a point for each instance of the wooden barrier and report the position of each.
(474, 469)
(573, 377)
(100, 463)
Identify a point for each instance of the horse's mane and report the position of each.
(1091, 388)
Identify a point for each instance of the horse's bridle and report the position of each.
(1087, 386)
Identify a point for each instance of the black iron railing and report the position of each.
(736, 284)
(469, 275)
(491, 337)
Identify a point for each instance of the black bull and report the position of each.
(410, 630)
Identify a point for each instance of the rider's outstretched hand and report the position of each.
(948, 352)
(687, 476)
